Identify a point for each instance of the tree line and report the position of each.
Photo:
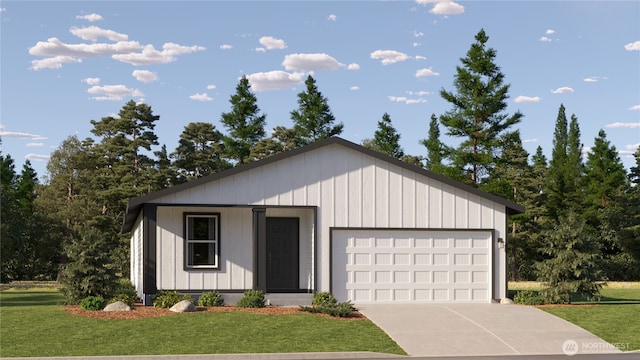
(582, 223)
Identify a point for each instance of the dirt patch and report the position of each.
(143, 312)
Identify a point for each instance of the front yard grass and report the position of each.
(615, 318)
(32, 323)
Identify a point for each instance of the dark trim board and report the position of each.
(492, 232)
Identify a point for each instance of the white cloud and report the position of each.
(443, 7)
(90, 17)
(35, 144)
(562, 90)
(417, 34)
(545, 39)
(591, 79)
(310, 62)
(418, 93)
(201, 97)
(150, 55)
(527, 99)
(635, 107)
(91, 81)
(332, 17)
(353, 66)
(630, 150)
(406, 100)
(420, 57)
(623, 125)
(271, 43)
(93, 33)
(211, 87)
(20, 135)
(59, 53)
(226, 47)
(634, 46)
(416, 44)
(550, 31)
(2, 9)
(426, 73)
(37, 157)
(274, 80)
(112, 92)
(389, 56)
(354, 88)
(530, 140)
(144, 76)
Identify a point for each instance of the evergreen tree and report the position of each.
(478, 116)
(605, 175)
(166, 173)
(629, 232)
(11, 217)
(199, 151)
(572, 263)
(313, 119)
(435, 148)
(386, 139)
(88, 271)
(244, 123)
(565, 167)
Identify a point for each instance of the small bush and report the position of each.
(251, 299)
(323, 298)
(125, 287)
(342, 309)
(528, 297)
(92, 303)
(212, 298)
(166, 299)
(127, 299)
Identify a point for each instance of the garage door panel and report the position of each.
(405, 266)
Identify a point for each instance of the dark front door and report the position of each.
(283, 255)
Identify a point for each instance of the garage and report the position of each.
(412, 266)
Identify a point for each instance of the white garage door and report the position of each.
(411, 266)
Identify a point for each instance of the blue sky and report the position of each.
(66, 63)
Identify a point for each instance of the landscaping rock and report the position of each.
(506, 301)
(117, 306)
(184, 306)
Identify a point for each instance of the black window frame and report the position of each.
(188, 266)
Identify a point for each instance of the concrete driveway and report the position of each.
(482, 329)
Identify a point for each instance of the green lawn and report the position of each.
(615, 318)
(33, 324)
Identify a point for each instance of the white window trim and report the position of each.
(215, 241)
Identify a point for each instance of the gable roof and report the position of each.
(135, 205)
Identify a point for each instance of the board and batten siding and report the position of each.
(136, 259)
(352, 189)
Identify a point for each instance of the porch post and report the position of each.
(260, 249)
(149, 286)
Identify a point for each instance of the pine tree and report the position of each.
(435, 148)
(386, 139)
(244, 123)
(565, 167)
(478, 116)
(313, 119)
(605, 175)
(572, 263)
(199, 151)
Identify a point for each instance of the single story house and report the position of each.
(330, 216)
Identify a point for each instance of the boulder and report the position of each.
(184, 306)
(506, 301)
(117, 306)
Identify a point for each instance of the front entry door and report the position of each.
(283, 255)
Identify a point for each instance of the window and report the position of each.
(202, 241)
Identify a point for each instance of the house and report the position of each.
(330, 216)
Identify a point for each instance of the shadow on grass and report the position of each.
(30, 298)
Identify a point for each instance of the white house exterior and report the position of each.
(330, 216)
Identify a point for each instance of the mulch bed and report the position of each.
(142, 312)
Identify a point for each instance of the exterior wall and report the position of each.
(236, 249)
(136, 261)
(350, 189)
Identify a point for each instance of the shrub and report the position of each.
(342, 309)
(527, 297)
(212, 298)
(323, 298)
(127, 299)
(166, 299)
(93, 303)
(251, 299)
(125, 287)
